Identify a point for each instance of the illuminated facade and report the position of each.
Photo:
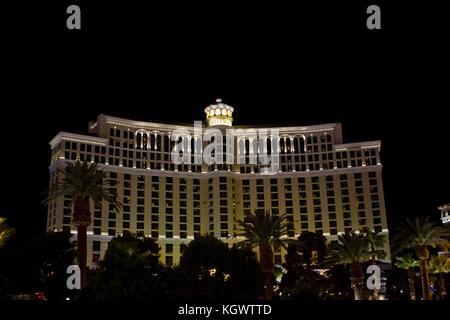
(322, 184)
(445, 214)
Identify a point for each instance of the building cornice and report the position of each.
(66, 136)
(145, 125)
(358, 145)
(232, 174)
(170, 127)
(295, 129)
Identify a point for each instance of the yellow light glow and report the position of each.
(212, 271)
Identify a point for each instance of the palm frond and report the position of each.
(406, 262)
(352, 248)
(420, 232)
(6, 232)
(262, 228)
(440, 264)
(81, 180)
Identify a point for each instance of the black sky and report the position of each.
(274, 63)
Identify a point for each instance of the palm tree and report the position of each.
(419, 235)
(85, 184)
(352, 250)
(408, 263)
(6, 232)
(264, 230)
(375, 242)
(441, 265)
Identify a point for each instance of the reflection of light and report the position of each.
(322, 272)
(212, 271)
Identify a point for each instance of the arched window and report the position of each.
(158, 142)
(111, 132)
(117, 133)
(295, 147)
(125, 134)
(299, 144)
(180, 142)
(144, 141)
(322, 139)
(138, 141)
(152, 142)
(130, 135)
(172, 144)
(328, 137)
(166, 143)
(315, 139)
(282, 145)
(269, 146)
(288, 145)
(309, 140)
(302, 145)
(192, 145)
(247, 146)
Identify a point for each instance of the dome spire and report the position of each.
(219, 114)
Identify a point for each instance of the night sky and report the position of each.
(273, 63)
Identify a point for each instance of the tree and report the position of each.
(301, 282)
(440, 265)
(244, 270)
(203, 267)
(340, 286)
(352, 250)
(6, 232)
(312, 248)
(85, 184)
(212, 271)
(40, 264)
(375, 242)
(419, 235)
(263, 230)
(408, 263)
(128, 271)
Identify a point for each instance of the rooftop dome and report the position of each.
(219, 114)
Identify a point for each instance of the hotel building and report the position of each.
(321, 184)
(445, 214)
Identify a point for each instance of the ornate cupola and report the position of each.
(219, 114)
